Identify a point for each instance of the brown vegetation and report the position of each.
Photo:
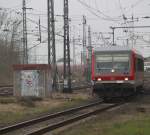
(8, 57)
(9, 46)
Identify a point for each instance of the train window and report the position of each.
(103, 63)
(104, 58)
(121, 63)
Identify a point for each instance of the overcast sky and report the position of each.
(101, 14)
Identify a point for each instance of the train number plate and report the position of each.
(119, 81)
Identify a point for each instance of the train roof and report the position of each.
(116, 49)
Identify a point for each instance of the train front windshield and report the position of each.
(112, 63)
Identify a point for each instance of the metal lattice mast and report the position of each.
(84, 32)
(25, 42)
(67, 69)
(40, 36)
(84, 47)
(84, 42)
(89, 57)
(51, 40)
(89, 36)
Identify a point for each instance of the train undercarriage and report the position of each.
(113, 90)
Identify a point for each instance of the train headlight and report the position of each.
(99, 79)
(126, 79)
(112, 70)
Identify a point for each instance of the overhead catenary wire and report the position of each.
(33, 21)
(35, 45)
(133, 5)
(93, 10)
(137, 3)
(19, 5)
(123, 14)
(99, 11)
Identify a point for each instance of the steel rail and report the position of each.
(81, 87)
(45, 118)
(74, 88)
(6, 86)
(71, 120)
(6, 90)
(6, 94)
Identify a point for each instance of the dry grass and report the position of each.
(132, 119)
(24, 109)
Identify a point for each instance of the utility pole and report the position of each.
(74, 52)
(51, 41)
(84, 39)
(84, 32)
(89, 36)
(113, 34)
(84, 47)
(89, 55)
(25, 33)
(132, 35)
(74, 47)
(40, 36)
(25, 42)
(67, 69)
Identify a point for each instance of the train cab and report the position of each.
(116, 71)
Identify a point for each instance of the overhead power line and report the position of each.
(91, 9)
(128, 9)
(33, 21)
(136, 3)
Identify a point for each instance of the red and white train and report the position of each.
(116, 71)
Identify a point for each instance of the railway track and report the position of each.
(6, 90)
(6, 86)
(75, 114)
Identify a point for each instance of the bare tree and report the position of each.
(9, 46)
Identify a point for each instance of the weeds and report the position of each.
(28, 101)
